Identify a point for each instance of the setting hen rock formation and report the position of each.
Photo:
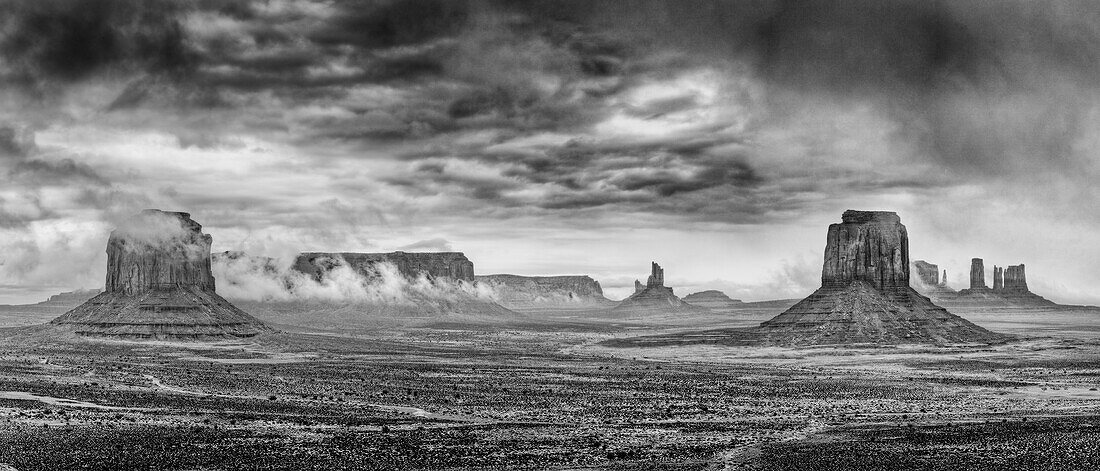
(712, 299)
(533, 293)
(159, 286)
(865, 295)
(655, 298)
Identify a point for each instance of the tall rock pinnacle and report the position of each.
(998, 278)
(977, 274)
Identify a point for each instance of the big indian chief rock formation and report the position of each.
(159, 286)
(865, 295)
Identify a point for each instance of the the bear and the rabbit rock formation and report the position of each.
(653, 298)
(159, 286)
(865, 295)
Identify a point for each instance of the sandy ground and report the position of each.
(548, 395)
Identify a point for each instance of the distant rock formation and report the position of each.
(638, 287)
(928, 281)
(448, 265)
(712, 299)
(977, 274)
(927, 273)
(37, 313)
(1014, 278)
(655, 298)
(865, 295)
(545, 292)
(1009, 291)
(159, 286)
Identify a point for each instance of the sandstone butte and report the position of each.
(865, 295)
(159, 286)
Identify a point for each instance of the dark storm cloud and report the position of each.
(50, 41)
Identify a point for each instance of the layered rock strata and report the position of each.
(447, 265)
(865, 295)
(159, 286)
(545, 292)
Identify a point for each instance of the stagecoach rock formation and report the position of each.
(865, 295)
(159, 286)
(655, 298)
(545, 292)
(453, 266)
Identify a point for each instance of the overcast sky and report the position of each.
(716, 138)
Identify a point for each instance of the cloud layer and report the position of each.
(506, 129)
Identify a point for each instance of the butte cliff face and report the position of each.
(865, 295)
(159, 286)
(445, 265)
(535, 293)
(654, 298)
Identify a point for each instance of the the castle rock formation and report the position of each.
(865, 295)
(452, 266)
(1014, 278)
(159, 285)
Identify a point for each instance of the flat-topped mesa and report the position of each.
(447, 265)
(156, 250)
(977, 274)
(1014, 278)
(531, 293)
(998, 278)
(656, 277)
(927, 273)
(868, 246)
(159, 286)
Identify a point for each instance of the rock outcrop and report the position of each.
(536, 293)
(655, 298)
(865, 295)
(638, 287)
(447, 265)
(998, 278)
(159, 286)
